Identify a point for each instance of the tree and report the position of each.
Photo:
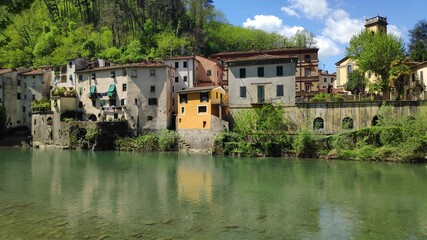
(399, 76)
(356, 82)
(374, 52)
(418, 42)
(4, 120)
(302, 39)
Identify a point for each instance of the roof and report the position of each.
(199, 89)
(419, 65)
(130, 65)
(260, 57)
(342, 60)
(179, 58)
(274, 51)
(5, 70)
(34, 72)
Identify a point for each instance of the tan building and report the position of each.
(140, 93)
(419, 81)
(326, 80)
(376, 24)
(344, 67)
(306, 71)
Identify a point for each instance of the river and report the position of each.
(58, 194)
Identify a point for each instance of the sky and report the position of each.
(333, 22)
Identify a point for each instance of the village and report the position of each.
(194, 95)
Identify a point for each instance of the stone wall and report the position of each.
(202, 139)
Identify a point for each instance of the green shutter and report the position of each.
(92, 90)
(112, 90)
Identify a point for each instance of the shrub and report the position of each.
(391, 135)
(321, 97)
(305, 144)
(168, 140)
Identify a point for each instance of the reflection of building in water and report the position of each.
(194, 184)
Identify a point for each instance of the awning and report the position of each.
(112, 90)
(92, 90)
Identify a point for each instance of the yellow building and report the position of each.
(376, 24)
(199, 107)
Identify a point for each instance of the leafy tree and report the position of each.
(399, 76)
(4, 120)
(374, 52)
(418, 41)
(356, 82)
(302, 39)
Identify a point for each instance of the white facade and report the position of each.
(263, 81)
(142, 95)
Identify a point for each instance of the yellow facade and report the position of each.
(197, 106)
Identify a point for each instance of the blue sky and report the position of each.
(332, 21)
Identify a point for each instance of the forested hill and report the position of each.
(48, 32)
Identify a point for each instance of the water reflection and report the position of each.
(72, 194)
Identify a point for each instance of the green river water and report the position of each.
(56, 194)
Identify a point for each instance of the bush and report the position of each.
(391, 136)
(305, 144)
(321, 97)
(168, 140)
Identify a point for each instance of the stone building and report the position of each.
(140, 93)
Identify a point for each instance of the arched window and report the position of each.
(375, 120)
(349, 69)
(318, 123)
(49, 121)
(92, 117)
(347, 123)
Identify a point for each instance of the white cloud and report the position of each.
(340, 27)
(393, 29)
(289, 11)
(310, 8)
(327, 47)
(270, 23)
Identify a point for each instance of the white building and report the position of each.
(261, 79)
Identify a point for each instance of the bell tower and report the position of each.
(376, 24)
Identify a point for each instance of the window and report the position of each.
(152, 101)
(19, 82)
(279, 90)
(324, 79)
(150, 118)
(260, 71)
(152, 89)
(182, 110)
(18, 95)
(113, 74)
(93, 76)
(176, 64)
(124, 87)
(242, 72)
(204, 97)
(307, 72)
(318, 124)
(176, 79)
(349, 69)
(421, 77)
(69, 77)
(136, 101)
(124, 72)
(25, 96)
(152, 72)
(33, 97)
(183, 98)
(173, 88)
(112, 102)
(242, 92)
(80, 77)
(23, 109)
(184, 64)
(70, 64)
(122, 102)
(93, 102)
(202, 110)
(307, 58)
(116, 115)
(133, 73)
(347, 123)
(185, 78)
(279, 71)
(80, 104)
(209, 73)
(307, 87)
